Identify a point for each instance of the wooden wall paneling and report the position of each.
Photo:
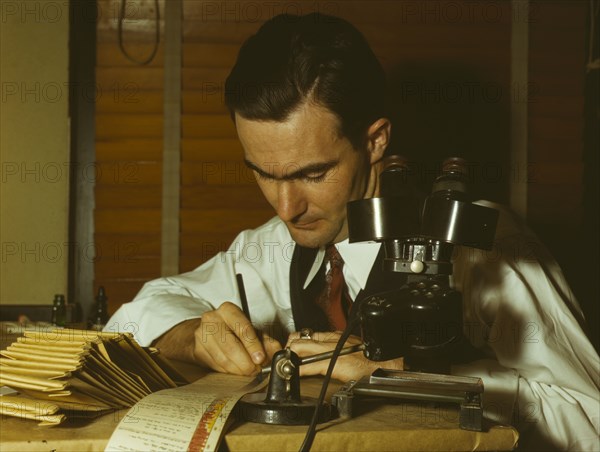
(557, 70)
(213, 175)
(129, 149)
(222, 148)
(129, 121)
(129, 245)
(208, 126)
(220, 219)
(112, 126)
(127, 173)
(134, 102)
(555, 106)
(129, 196)
(204, 79)
(384, 12)
(210, 55)
(209, 100)
(246, 14)
(140, 78)
(138, 24)
(556, 116)
(227, 32)
(119, 289)
(128, 221)
(106, 55)
(139, 268)
(217, 172)
(519, 126)
(235, 196)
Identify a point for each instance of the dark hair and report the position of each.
(314, 57)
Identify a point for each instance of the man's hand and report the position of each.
(223, 339)
(347, 367)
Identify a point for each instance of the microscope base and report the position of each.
(254, 408)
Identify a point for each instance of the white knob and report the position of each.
(416, 266)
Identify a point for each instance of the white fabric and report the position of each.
(541, 375)
(358, 260)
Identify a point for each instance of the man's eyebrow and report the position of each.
(294, 171)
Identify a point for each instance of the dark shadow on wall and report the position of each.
(440, 111)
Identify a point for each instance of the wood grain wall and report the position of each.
(448, 64)
(556, 209)
(556, 75)
(129, 116)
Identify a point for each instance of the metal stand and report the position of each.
(466, 391)
(282, 403)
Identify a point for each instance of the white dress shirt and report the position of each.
(541, 374)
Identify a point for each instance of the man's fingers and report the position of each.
(318, 368)
(238, 323)
(330, 337)
(348, 367)
(208, 350)
(231, 360)
(307, 347)
(318, 336)
(271, 345)
(219, 346)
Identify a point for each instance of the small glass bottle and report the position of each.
(59, 310)
(74, 314)
(99, 315)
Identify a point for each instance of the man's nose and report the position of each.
(291, 201)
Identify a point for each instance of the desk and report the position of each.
(391, 426)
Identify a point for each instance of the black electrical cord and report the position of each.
(312, 428)
(156, 34)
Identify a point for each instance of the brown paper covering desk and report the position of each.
(391, 426)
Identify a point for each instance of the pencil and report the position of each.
(242, 290)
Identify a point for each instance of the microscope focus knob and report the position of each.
(417, 266)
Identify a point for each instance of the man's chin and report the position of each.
(315, 238)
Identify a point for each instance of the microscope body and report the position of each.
(422, 320)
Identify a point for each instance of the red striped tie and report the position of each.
(334, 299)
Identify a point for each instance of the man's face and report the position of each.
(307, 171)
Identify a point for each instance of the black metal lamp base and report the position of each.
(254, 408)
(282, 403)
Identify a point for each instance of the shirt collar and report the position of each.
(358, 259)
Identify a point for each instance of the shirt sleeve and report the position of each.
(542, 371)
(262, 256)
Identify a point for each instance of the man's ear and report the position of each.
(378, 138)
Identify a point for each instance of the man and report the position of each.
(307, 98)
